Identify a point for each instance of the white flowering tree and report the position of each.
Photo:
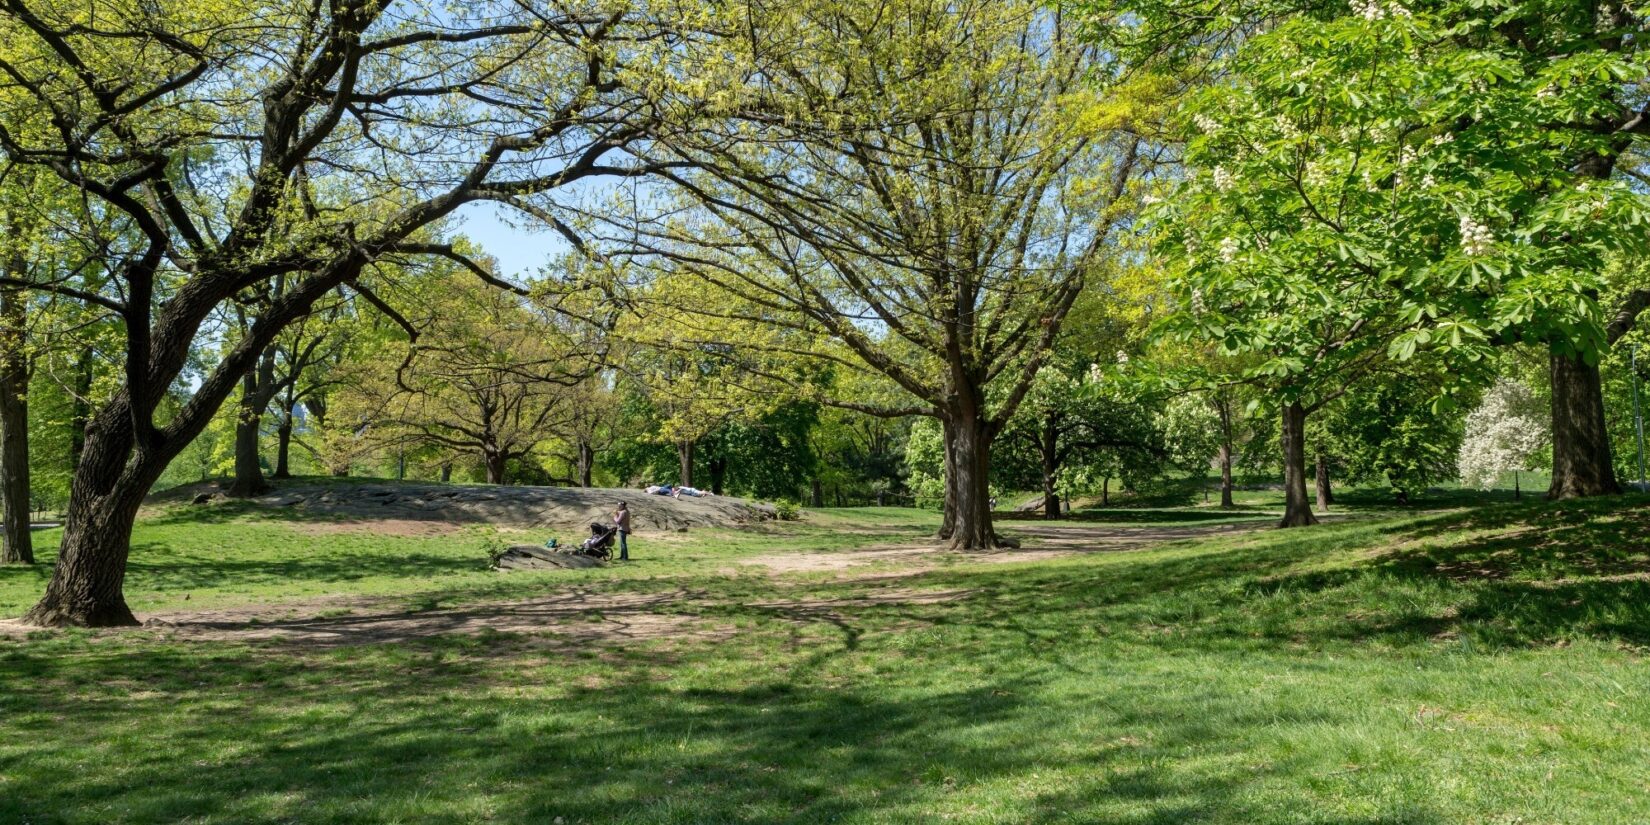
(1504, 434)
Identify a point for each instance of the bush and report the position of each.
(787, 510)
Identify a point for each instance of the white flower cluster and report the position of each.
(1502, 435)
(1317, 175)
(1224, 180)
(1198, 307)
(1228, 250)
(1406, 156)
(1205, 124)
(1287, 128)
(1476, 238)
(1376, 10)
(1428, 181)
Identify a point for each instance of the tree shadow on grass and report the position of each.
(1144, 515)
(430, 733)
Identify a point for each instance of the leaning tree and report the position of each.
(234, 146)
(923, 187)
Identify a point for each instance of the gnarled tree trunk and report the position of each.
(1297, 509)
(109, 484)
(1582, 464)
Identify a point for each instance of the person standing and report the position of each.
(621, 520)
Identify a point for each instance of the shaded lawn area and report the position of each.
(1479, 666)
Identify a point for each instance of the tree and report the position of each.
(206, 133)
(925, 187)
(482, 374)
(1401, 427)
(1506, 433)
(1522, 124)
(1079, 420)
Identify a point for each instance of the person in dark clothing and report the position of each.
(621, 519)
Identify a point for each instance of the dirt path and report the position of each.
(1038, 542)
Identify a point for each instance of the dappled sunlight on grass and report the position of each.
(1434, 667)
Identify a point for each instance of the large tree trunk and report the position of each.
(447, 472)
(16, 545)
(1582, 464)
(109, 484)
(969, 483)
(1297, 509)
(817, 494)
(1326, 496)
(684, 458)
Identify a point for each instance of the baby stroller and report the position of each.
(600, 543)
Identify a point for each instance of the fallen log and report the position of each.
(531, 557)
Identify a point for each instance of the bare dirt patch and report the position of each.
(568, 619)
(1039, 542)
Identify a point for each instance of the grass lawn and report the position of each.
(1471, 665)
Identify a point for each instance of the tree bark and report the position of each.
(969, 484)
(817, 496)
(1326, 496)
(114, 474)
(1297, 509)
(16, 544)
(447, 472)
(1582, 463)
(684, 458)
(1105, 491)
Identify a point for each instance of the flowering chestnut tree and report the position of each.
(1397, 180)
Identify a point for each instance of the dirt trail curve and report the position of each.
(1039, 541)
(509, 506)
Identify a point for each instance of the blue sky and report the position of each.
(521, 249)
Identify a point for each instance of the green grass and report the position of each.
(1476, 665)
